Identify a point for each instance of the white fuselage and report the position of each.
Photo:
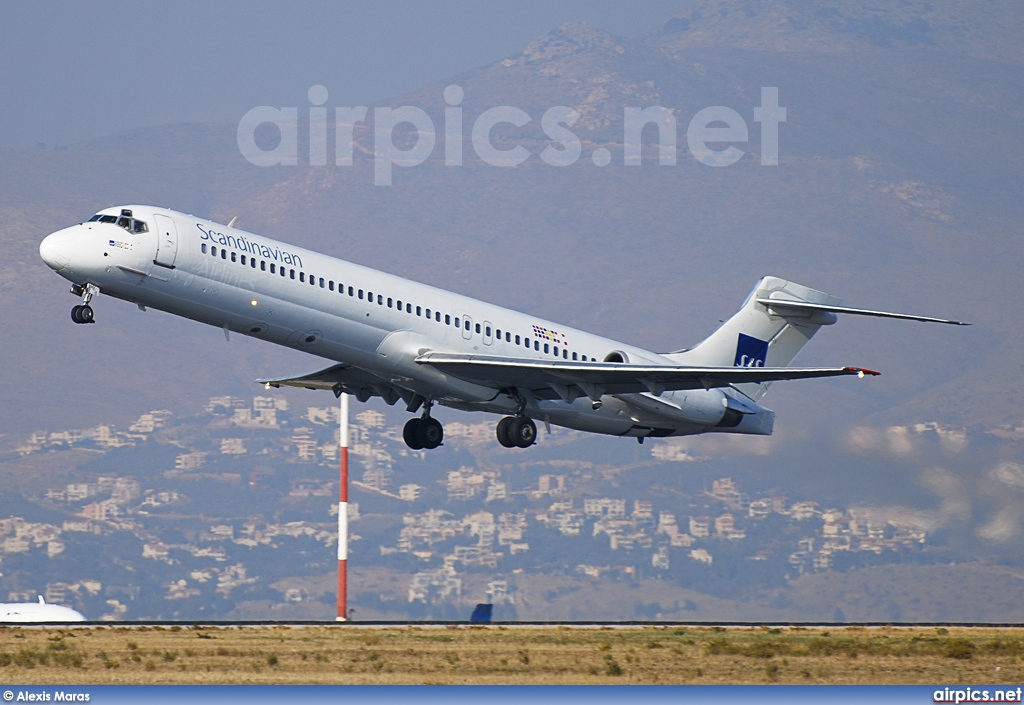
(377, 322)
(38, 612)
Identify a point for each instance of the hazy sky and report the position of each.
(76, 71)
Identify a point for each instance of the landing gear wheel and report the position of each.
(82, 314)
(522, 431)
(504, 437)
(430, 433)
(411, 435)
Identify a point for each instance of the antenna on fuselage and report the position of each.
(232, 222)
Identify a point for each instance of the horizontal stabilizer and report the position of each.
(569, 380)
(781, 306)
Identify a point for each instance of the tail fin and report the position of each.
(757, 337)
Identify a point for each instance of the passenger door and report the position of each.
(166, 241)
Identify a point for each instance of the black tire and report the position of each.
(74, 314)
(411, 435)
(502, 431)
(523, 431)
(85, 314)
(430, 433)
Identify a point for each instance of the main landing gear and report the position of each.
(83, 313)
(425, 432)
(517, 432)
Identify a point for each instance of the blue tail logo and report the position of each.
(750, 351)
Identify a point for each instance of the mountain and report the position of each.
(898, 187)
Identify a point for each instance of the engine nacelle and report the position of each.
(701, 407)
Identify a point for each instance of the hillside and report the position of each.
(898, 187)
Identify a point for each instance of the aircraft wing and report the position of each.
(339, 378)
(570, 380)
(326, 378)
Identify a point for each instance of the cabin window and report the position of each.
(497, 333)
(292, 273)
(139, 227)
(437, 316)
(419, 311)
(517, 340)
(556, 350)
(360, 294)
(242, 258)
(302, 276)
(408, 308)
(350, 290)
(398, 304)
(428, 314)
(125, 223)
(390, 303)
(508, 337)
(223, 253)
(271, 267)
(448, 320)
(487, 332)
(252, 262)
(380, 299)
(234, 257)
(467, 325)
(263, 265)
(330, 285)
(574, 356)
(536, 345)
(457, 323)
(477, 327)
(203, 248)
(545, 348)
(565, 354)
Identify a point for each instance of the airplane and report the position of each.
(397, 339)
(38, 612)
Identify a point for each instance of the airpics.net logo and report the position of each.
(711, 135)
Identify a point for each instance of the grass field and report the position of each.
(499, 654)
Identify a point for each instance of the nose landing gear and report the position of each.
(425, 432)
(83, 313)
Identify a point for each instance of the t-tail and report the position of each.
(776, 321)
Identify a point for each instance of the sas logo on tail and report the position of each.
(750, 351)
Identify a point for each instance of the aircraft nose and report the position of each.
(57, 249)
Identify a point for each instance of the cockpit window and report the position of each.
(125, 221)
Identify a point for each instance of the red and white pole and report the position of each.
(343, 516)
